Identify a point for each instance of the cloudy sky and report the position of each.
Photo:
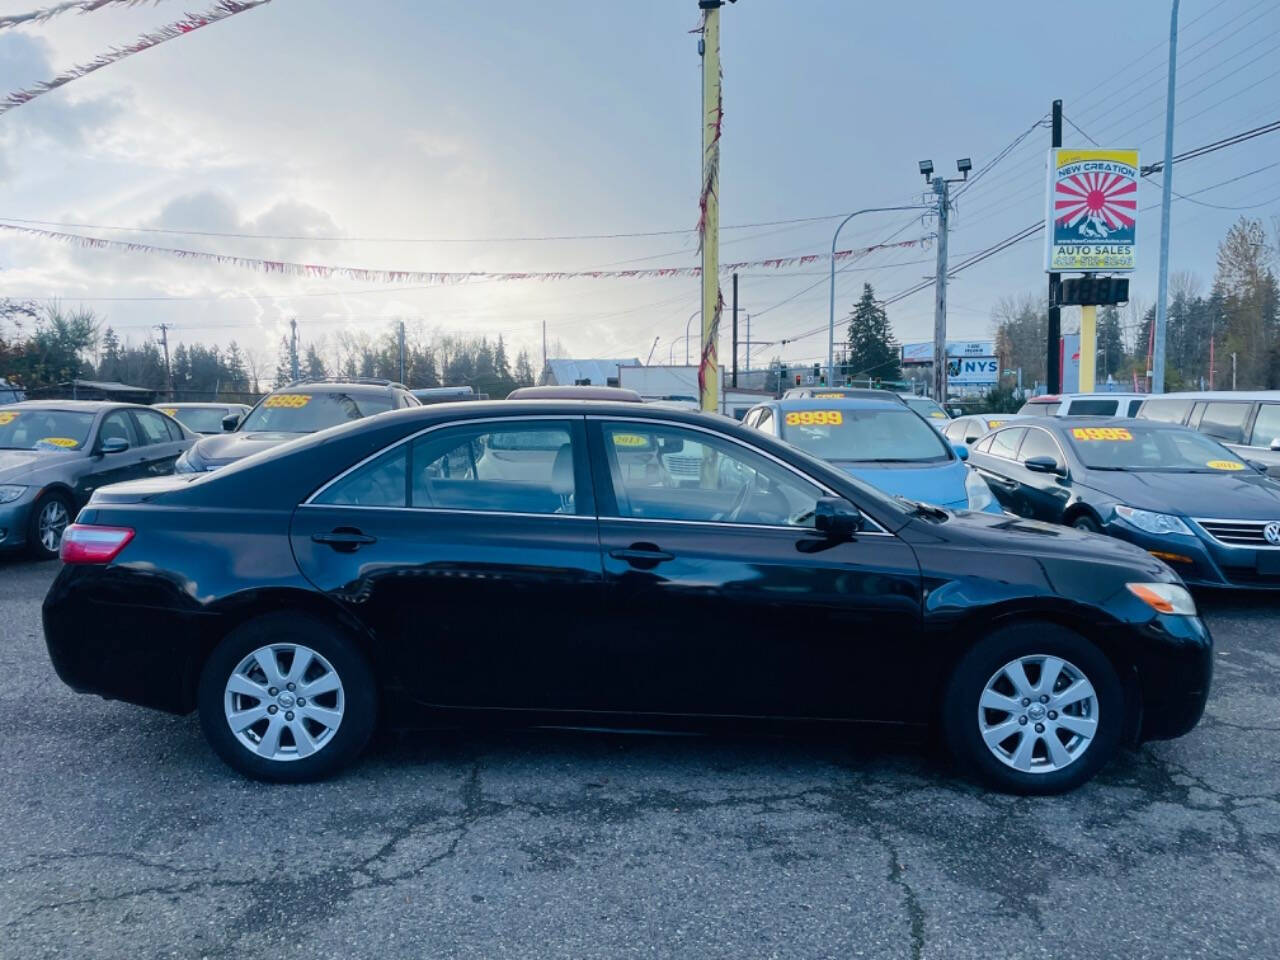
(459, 125)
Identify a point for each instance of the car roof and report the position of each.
(583, 392)
(836, 403)
(1106, 395)
(1244, 396)
(78, 406)
(339, 386)
(198, 404)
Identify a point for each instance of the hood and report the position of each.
(1238, 495)
(16, 464)
(223, 448)
(938, 483)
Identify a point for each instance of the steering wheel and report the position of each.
(735, 511)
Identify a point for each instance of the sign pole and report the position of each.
(1052, 367)
(1088, 347)
(940, 186)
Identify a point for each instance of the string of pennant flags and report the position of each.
(188, 24)
(48, 13)
(440, 277)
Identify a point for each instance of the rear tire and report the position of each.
(997, 726)
(49, 520)
(254, 706)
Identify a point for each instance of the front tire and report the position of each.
(49, 520)
(1033, 709)
(1086, 523)
(287, 698)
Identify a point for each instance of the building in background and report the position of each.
(591, 373)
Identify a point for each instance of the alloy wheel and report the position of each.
(284, 702)
(1038, 714)
(51, 524)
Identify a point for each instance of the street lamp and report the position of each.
(696, 313)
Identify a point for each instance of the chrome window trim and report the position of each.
(1061, 454)
(1261, 524)
(723, 525)
(734, 440)
(425, 430)
(478, 513)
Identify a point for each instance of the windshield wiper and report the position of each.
(923, 509)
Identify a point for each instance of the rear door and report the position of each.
(1041, 496)
(160, 442)
(480, 576)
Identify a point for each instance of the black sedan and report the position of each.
(1172, 491)
(531, 560)
(55, 453)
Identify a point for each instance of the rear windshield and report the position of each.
(301, 412)
(1046, 409)
(199, 419)
(27, 429)
(1156, 449)
(864, 436)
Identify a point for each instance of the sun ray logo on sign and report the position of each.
(1093, 210)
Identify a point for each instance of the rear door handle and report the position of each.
(344, 541)
(642, 555)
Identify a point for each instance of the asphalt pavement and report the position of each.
(121, 835)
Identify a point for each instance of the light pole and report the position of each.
(671, 350)
(687, 334)
(831, 319)
(941, 187)
(1166, 189)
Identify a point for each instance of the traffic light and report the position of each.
(1093, 291)
(798, 379)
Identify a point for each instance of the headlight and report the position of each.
(184, 465)
(1157, 523)
(1165, 598)
(11, 492)
(980, 495)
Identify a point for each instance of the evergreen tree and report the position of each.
(872, 350)
(313, 366)
(524, 370)
(1111, 355)
(284, 364)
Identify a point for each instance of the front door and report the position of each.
(1044, 496)
(110, 468)
(723, 599)
(472, 554)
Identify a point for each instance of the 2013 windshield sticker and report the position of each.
(814, 418)
(1225, 465)
(7, 417)
(291, 401)
(65, 442)
(629, 440)
(1101, 433)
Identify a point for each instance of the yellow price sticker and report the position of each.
(828, 396)
(7, 417)
(814, 418)
(168, 411)
(992, 424)
(65, 442)
(1225, 465)
(1101, 433)
(629, 440)
(291, 401)
(937, 415)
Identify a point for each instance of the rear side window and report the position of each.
(1093, 408)
(1166, 411)
(1133, 407)
(1225, 421)
(984, 445)
(380, 483)
(1267, 425)
(154, 428)
(1004, 443)
(765, 420)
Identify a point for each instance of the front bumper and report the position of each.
(1204, 562)
(1174, 676)
(15, 520)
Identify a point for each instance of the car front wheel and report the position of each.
(287, 698)
(49, 520)
(1033, 709)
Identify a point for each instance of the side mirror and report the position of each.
(961, 450)
(972, 440)
(1043, 465)
(231, 421)
(837, 518)
(1275, 444)
(113, 445)
(1257, 465)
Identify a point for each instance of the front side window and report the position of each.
(1039, 444)
(724, 482)
(927, 408)
(116, 426)
(1166, 411)
(955, 430)
(1225, 421)
(1004, 443)
(297, 411)
(36, 429)
(1266, 427)
(869, 435)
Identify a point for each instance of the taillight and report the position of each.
(85, 543)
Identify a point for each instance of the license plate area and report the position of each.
(1269, 563)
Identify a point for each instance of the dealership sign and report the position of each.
(923, 352)
(1092, 210)
(973, 371)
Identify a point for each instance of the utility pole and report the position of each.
(168, 372)
(747, 359)
(293, 347)
(735, 330)
(940, 188)
(1053, 358)
(708, 362)
(402, 351)
(1166, 190)
(1233, 371)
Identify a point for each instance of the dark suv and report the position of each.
(304, 406)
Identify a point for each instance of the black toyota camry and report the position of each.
(1175, 492)
(534, 561)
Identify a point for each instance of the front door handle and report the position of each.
(344, 540)
(645, 556)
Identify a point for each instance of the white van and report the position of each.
(1246, 421)
(1083, 405)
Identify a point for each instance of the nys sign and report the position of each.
(1093, 210)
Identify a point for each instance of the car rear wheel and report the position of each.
(50, 517)
(1033, 709)
(287, 698)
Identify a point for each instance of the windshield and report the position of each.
(1154, 449)
(27, 429)
(199, 419)
(930, 409)
(864, 436)
(309, 412)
